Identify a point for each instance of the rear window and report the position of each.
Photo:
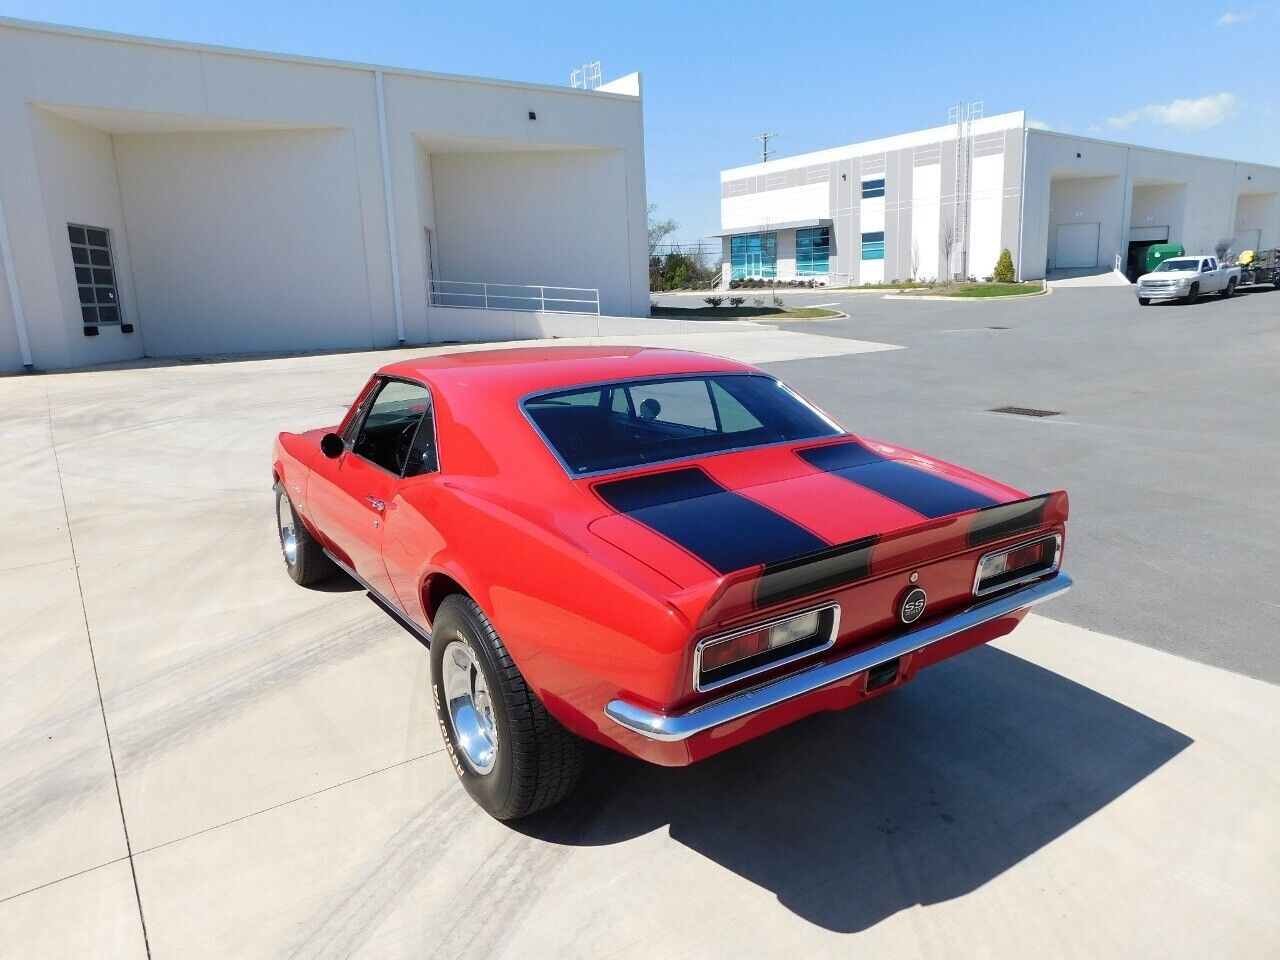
(632, 423)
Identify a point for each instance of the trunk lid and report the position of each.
(759, 527)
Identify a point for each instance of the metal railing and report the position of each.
(514, 296)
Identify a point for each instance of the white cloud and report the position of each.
(1230, 17)
(1038, 125)
(1198, 114)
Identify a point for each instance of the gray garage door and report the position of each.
(1076, 247)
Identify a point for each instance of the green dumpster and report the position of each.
(1157, 252)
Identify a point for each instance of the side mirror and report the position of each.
(331, 446)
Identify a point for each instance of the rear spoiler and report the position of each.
(845, 563)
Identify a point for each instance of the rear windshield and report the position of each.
(631, 423)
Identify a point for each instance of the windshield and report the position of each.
(1178, 265)
(631, 423)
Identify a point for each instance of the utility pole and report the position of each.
(764, 139)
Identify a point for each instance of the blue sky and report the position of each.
(1199, 77)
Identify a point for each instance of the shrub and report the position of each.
(758, 301)
(1004, 272)
(777, 301)
(737, 301)
(713, 302)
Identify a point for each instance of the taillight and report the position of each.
(764, 646)
(1015, 565)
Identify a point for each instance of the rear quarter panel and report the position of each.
(583, 621)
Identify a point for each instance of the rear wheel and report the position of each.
(304, 558)
(511, 755)
(1230, 291)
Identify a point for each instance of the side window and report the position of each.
(734, 417)
(1208, 265)
(387, 434)
(620, 402)
(685, 403)
(423, 456)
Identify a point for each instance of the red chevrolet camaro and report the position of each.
(662, 552)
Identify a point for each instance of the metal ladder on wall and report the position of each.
(962, 115)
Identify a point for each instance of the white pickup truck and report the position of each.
(1185, 278)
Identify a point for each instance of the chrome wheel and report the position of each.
(470, 707)
(288, 532)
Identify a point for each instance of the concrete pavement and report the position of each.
(265, 760)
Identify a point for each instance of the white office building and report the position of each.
(888, 209)
(161, 199)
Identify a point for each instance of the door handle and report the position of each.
(377, 504)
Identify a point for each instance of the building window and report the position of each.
(872, 188)
(873, 245)
(95, 274)
(813, 251)
(753, 255)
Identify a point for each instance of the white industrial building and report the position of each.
(162, 199)
(882, 210)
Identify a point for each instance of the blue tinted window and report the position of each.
(813, 251)
(872, 188)
(753, 255)
(873, 245)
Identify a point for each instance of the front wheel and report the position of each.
(1194, 293)
(1230, 291)
(1144, 301)
(511, 755)
(304, 558)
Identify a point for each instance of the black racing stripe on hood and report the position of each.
(801, 576)
(1007, 519)
(928, 494)
(723, 529)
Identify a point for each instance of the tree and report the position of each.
(915, 260)
(948, 240)
(659, 230)
(1004, 272)
(769, 253)
(1221, 248)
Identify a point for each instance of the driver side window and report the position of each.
(389, 433)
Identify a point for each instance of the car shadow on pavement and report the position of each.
(916, 797)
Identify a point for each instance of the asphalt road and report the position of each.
(1168, 440)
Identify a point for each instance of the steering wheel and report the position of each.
(404, 444)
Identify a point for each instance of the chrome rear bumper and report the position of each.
(681, 726)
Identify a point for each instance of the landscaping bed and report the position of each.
(743, 313)
(973, 289)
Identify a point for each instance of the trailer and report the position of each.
(1260, 268)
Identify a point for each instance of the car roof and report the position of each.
(518, 371)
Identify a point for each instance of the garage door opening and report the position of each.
(1140, 238)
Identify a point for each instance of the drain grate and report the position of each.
(1025, 411)
(998, 328)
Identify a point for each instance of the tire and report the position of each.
(1231, 289)
(304, 558)
(513, 757)
(1194, 293)
(1144, 301)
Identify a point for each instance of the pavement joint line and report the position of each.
(97, 680)
(69, 876)
(285, 803)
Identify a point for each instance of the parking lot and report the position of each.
(200, 759)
